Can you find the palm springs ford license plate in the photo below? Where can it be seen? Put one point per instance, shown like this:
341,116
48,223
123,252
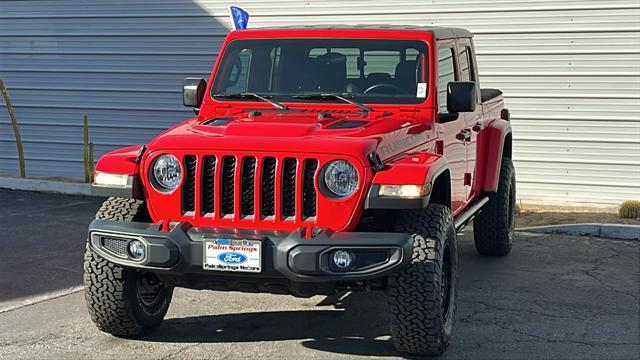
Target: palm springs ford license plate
232,255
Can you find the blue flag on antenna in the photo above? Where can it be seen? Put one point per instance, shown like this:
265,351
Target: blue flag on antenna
239,17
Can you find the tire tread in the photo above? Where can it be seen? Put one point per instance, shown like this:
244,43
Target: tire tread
413,293
491,227
106,285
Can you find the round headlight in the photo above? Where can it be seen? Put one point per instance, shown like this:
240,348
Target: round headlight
341,178
167,172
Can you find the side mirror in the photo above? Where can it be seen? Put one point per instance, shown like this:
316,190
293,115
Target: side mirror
462,96
193,90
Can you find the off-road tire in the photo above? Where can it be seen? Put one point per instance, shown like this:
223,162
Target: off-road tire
122,209
422,316
111,291
493,228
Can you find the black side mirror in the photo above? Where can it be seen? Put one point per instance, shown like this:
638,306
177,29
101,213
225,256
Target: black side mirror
462,96
193,90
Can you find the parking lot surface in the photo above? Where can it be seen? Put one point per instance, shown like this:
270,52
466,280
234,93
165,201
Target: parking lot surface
553,297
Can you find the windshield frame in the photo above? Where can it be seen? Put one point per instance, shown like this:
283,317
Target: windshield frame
424,52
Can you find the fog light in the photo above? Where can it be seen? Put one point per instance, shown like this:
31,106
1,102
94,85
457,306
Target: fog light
343,259
136,249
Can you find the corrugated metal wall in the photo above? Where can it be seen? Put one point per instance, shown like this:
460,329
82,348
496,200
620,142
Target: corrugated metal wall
570,70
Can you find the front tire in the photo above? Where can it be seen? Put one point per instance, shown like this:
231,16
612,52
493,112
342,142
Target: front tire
122,301
493,228
422,296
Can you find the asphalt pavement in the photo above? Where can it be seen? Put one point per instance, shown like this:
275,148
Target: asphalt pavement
553,297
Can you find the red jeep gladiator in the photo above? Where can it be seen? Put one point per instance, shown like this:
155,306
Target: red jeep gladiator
320,160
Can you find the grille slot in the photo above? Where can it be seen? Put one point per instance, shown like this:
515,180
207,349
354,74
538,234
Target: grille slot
289,188
226,187
228,173
189,188
268,177
208,184
309,189
115,246
248,185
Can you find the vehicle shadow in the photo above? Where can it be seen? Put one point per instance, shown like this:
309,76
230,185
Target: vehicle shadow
357,325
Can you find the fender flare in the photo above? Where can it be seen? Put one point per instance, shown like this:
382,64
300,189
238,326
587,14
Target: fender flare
415,169
123,161
496,135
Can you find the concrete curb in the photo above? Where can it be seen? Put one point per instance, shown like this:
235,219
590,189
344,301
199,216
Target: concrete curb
611,231
45,185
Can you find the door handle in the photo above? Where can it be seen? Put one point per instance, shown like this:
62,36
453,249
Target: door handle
464,135
478,126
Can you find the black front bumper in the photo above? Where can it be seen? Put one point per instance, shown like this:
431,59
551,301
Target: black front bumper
291,262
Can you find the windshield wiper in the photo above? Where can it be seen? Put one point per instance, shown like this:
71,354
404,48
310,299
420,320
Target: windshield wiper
346,98
245,95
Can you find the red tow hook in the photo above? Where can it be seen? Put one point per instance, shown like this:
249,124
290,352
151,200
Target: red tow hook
164,226
307,232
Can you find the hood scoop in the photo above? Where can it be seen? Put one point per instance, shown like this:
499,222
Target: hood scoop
218,121
348,124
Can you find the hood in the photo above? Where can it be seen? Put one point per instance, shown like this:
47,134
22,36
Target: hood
298,131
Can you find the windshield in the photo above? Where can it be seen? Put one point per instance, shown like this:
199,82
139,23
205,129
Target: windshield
369,70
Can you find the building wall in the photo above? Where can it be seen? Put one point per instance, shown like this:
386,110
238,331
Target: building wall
570,71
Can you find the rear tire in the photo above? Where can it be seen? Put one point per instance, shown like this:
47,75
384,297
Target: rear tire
421,297
493,228
122,301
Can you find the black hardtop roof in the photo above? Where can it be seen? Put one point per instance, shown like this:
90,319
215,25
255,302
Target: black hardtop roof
440,32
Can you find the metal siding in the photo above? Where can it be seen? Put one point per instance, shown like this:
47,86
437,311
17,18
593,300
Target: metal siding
570,71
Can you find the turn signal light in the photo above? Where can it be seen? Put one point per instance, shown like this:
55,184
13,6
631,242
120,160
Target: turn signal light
110,180
404,191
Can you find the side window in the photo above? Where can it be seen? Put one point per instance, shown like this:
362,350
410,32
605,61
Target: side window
446,74
412,54
381,62
466,64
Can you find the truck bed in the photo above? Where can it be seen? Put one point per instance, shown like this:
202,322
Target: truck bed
488,94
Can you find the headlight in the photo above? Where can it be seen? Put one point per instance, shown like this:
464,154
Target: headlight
340,178
167,172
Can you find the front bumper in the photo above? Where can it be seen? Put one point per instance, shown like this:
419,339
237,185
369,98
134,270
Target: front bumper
291,262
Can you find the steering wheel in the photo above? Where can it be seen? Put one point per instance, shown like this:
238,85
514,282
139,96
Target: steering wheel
395,89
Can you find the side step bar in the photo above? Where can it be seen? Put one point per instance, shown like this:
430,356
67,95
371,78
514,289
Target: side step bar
470,213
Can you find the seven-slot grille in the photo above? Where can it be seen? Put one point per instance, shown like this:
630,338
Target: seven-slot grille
250,187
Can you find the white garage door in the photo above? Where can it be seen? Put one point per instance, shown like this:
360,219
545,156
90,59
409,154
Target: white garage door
570,71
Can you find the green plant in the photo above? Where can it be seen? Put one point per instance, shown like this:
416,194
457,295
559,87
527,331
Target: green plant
87,151
630,209
16,130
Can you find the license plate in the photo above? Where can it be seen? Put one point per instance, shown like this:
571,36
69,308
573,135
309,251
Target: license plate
223,254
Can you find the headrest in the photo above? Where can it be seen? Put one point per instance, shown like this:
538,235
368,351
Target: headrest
406,75
406,70
332,58
331,71
379,78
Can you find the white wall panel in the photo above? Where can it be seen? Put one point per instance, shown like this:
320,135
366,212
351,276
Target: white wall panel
570,71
